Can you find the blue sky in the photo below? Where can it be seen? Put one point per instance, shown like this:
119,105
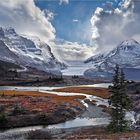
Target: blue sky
86,27
72,20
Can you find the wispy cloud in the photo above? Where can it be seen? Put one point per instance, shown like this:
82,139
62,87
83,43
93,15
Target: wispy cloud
49,15
63,2
73,51
27,18
75,20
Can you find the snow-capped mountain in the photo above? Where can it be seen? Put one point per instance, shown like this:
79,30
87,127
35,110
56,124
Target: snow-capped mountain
96,59
6,54
127,55
26,52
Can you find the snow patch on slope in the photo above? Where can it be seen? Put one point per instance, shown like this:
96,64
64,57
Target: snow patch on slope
28,52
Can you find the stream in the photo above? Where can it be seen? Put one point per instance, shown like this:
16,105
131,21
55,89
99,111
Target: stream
93,115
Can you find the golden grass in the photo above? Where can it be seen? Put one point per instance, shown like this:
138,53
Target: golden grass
100,92
67,98
102,134
39,94
107,136
54,100
24,93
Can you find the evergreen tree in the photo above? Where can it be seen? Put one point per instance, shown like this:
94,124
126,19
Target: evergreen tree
120,102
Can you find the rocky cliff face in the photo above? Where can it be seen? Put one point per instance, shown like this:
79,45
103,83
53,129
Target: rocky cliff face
27,52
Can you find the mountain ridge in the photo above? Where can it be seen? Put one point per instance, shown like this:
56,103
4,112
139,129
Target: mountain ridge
25,52
126,54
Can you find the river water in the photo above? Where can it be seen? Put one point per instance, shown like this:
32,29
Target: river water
93,115
77,122
33,88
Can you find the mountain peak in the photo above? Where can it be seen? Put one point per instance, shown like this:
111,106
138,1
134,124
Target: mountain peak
128,45
130,42
18,49
11,30
1,32
127,55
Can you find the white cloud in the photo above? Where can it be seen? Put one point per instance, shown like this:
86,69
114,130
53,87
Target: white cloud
27,18
75,20
63,2
49,15
94,20
111,27
73,51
